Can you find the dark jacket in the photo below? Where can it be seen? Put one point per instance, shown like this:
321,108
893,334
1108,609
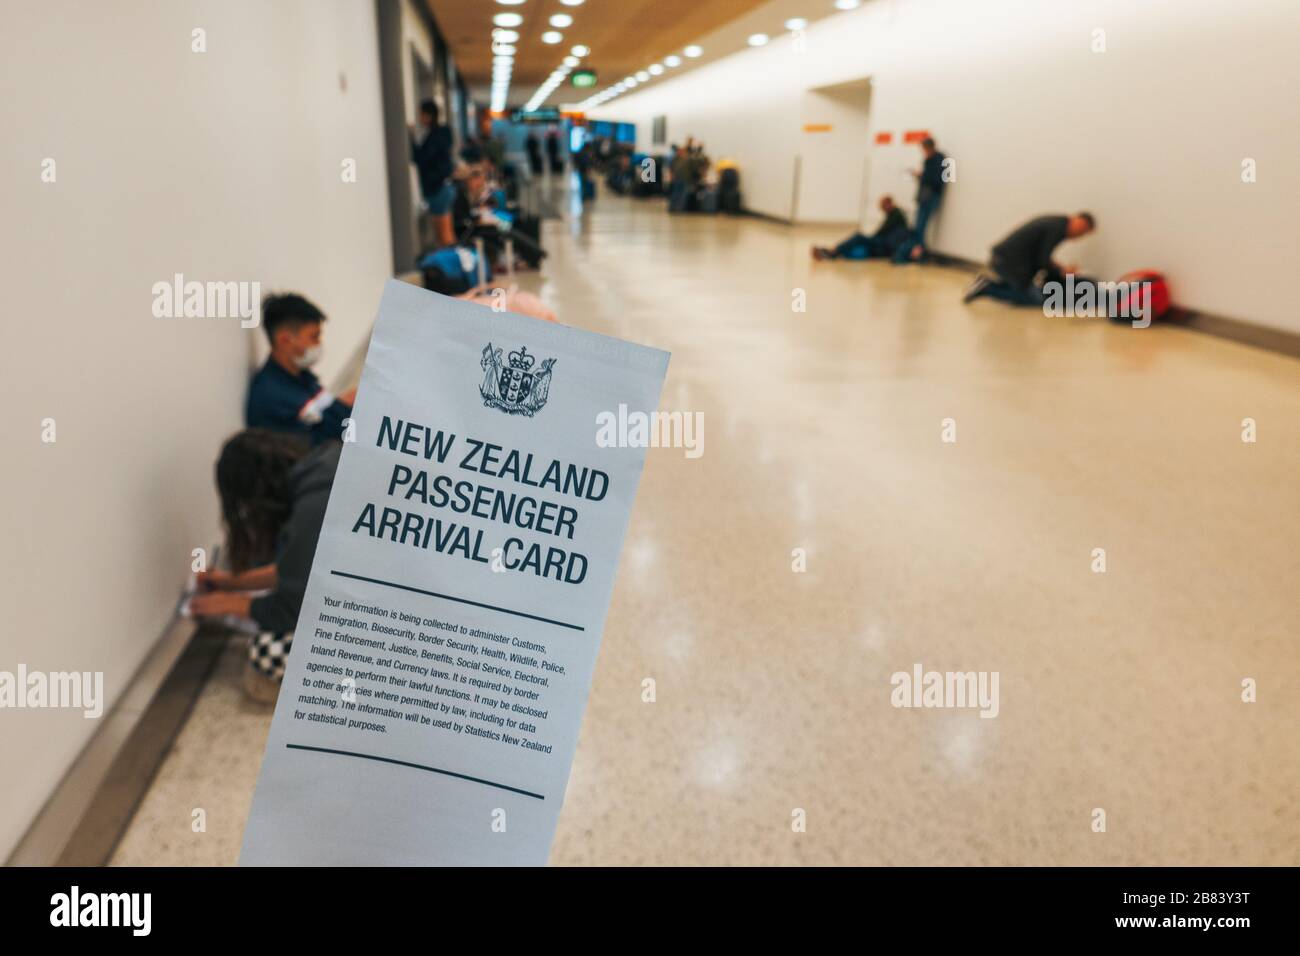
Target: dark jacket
432,158
310,482
1021,255
298,404
894,228
931,182
464,218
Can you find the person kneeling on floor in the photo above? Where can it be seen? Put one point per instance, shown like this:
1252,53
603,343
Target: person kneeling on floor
881,244
1021,264
273,490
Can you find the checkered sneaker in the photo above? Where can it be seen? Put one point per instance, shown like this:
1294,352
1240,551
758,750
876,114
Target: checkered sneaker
270,652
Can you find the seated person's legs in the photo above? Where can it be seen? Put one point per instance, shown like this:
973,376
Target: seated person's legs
856,246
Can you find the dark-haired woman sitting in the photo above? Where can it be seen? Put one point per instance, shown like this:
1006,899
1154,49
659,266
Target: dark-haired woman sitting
273,489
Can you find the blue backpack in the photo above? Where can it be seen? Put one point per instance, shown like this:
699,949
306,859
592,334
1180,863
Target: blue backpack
457,265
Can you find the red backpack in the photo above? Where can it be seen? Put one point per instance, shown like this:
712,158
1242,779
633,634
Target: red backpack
1153,289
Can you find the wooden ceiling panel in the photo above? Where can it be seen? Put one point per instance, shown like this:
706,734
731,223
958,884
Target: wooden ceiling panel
624,36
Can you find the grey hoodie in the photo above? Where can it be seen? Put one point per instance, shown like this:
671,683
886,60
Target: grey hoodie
309,490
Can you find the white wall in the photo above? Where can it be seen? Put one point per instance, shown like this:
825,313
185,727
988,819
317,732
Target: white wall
1149,135
223,165
834,149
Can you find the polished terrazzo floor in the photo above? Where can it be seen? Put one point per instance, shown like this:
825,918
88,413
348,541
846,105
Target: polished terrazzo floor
1118,690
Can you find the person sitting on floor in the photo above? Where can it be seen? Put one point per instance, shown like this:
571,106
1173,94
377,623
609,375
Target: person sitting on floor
478,214
273,491
1021,264
284,395
880,244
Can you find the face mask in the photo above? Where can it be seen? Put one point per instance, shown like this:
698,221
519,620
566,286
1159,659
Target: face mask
310,357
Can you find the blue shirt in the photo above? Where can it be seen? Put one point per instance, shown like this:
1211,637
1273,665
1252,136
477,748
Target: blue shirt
284,402
458,263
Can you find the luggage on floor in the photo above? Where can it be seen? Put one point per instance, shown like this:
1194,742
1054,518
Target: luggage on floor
451,270
729,190
1149,288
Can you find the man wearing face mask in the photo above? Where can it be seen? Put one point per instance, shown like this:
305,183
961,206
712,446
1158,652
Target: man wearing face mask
284,395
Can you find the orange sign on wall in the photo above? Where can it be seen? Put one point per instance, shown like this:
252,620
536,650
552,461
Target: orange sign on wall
816,127
915,135
884,139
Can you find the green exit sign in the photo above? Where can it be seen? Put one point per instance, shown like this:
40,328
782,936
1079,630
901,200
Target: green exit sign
583,77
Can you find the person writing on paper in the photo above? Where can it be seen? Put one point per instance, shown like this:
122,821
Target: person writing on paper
284,395
273,491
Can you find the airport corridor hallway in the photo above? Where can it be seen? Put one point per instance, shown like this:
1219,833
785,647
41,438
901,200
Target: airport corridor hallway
887,480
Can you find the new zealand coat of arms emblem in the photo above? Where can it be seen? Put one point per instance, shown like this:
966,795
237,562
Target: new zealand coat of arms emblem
514,386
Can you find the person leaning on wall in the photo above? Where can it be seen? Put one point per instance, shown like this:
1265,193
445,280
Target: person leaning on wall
431,146
930,183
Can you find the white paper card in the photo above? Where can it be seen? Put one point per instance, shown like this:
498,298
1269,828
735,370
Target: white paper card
445,648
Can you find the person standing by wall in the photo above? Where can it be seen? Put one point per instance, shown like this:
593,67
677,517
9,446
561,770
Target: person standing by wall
431,145
930,184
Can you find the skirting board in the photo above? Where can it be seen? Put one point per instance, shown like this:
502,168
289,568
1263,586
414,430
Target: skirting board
1235,330
83,819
